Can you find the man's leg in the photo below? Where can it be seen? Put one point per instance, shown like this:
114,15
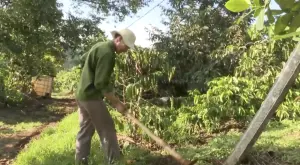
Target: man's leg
84,136
105,127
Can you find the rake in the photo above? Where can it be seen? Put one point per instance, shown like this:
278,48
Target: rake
163,144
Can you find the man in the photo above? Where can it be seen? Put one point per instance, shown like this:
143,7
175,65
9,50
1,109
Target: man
94,85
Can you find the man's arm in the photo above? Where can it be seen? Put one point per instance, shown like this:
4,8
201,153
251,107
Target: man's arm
103,74
82,59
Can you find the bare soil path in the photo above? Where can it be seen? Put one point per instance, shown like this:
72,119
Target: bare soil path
20,125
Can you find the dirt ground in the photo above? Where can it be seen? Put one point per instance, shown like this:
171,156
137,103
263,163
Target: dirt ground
42,113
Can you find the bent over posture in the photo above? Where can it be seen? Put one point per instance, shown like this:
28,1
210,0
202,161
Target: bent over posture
94,85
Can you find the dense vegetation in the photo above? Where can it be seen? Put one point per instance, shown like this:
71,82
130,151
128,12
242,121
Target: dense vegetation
211,67
279,139
208,69
222,69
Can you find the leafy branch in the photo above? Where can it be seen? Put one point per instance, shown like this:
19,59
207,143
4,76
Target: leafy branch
286,20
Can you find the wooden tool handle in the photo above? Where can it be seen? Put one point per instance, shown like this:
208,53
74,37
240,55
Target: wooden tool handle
159,141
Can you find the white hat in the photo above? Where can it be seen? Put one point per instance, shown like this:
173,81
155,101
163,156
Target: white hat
127,36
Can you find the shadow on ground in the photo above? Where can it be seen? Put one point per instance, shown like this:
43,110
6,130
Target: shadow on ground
46,110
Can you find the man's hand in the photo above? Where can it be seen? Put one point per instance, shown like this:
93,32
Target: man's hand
116,103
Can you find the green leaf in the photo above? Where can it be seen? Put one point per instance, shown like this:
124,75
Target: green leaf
295,23
260,20
277,12
257,12
285,4
270,16
277,37
257,3
296,6
296,39
270,31
129,91
282,22
237,5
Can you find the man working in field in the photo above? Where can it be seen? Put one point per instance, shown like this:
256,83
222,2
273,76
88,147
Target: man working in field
94,85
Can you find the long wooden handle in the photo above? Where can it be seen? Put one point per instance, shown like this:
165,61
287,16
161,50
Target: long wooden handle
159,141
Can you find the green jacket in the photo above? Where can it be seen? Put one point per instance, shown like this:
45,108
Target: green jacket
98,64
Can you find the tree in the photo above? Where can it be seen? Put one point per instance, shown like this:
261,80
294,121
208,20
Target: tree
35,32
28,32
118,8
199,32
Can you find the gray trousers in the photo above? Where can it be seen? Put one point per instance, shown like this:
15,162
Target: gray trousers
94,115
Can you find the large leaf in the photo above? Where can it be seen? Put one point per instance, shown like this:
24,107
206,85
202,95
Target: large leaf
260,20
270,16
277,37
282,22
296,6
295,23
257,3
285,4
237,5
257,12
277,12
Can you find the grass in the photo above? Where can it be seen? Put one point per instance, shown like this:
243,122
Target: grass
23,119
18,127
57,146
12,122
54,145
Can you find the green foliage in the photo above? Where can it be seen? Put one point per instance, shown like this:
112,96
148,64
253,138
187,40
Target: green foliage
35,32
235,97
239,97
118,8
3,74
140,69
228,68
229,98
253,63
66,80
282,23
79,34
289,109
196,40
232,66
9,91
238,5
28,43
286,25
285,4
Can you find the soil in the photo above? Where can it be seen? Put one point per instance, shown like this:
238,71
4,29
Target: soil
46,111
